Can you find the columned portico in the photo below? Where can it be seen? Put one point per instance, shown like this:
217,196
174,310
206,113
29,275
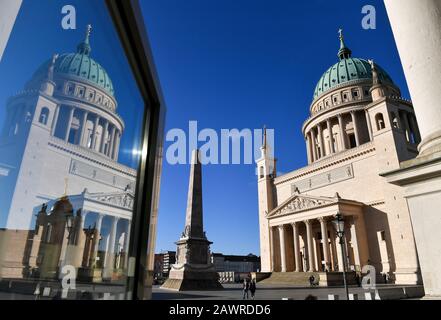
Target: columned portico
312,228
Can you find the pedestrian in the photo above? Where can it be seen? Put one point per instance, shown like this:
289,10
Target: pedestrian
246,287
253,288
312,280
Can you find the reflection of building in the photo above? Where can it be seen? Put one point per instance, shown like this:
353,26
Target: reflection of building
359,127
169,260
158,265
163,263
232,263
62,132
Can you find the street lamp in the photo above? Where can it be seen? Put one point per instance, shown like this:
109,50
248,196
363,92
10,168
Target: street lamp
339,224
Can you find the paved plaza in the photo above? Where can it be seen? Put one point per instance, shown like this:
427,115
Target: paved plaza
264,292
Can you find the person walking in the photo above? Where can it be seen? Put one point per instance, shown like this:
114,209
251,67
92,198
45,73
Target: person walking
246,287
253,288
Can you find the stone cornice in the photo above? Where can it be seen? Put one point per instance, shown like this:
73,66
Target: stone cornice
327,162
91,156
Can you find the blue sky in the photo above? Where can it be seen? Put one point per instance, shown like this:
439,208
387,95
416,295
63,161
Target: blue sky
243,64
224,63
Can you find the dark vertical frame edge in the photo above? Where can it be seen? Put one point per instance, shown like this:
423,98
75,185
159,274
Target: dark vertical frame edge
129,23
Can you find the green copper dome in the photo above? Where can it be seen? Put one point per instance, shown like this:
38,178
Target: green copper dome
347,70
81,65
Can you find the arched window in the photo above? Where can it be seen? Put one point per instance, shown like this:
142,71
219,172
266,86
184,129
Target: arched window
394,120
44,116
379,120
261,173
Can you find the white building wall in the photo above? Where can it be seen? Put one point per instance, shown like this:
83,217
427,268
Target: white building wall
8,14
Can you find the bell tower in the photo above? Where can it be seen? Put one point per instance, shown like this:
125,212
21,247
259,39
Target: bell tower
266,172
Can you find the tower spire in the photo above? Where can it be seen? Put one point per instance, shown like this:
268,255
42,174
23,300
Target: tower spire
264,138
84,47
344,52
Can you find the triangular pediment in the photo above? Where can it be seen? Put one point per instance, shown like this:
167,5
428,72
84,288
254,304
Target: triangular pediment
122,199
298,202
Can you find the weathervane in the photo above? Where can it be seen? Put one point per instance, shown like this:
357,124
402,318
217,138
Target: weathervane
89,30
340,33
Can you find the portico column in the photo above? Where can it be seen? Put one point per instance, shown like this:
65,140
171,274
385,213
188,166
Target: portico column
118,141
338,251
320,140
95,129
354,122
354,242
282,248
295,232
369,124
69,123
115,144
55,120
98,234
333,251
83,128
311,258
103,136
416,26
313,146
112,139
331,137
325,242
342,132
308,147
126,244
272,248
80,240
111,251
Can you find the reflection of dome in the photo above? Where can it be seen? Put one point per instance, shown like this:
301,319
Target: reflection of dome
81,65
62,205
348,70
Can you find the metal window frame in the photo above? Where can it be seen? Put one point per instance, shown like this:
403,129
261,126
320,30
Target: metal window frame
129,23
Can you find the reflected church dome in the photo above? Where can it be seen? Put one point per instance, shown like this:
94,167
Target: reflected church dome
81,65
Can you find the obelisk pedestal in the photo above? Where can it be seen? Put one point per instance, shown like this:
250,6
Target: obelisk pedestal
193,269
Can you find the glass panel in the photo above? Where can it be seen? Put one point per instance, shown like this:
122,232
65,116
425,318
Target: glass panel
71,116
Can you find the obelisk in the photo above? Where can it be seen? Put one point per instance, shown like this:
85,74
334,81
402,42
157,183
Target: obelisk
193,269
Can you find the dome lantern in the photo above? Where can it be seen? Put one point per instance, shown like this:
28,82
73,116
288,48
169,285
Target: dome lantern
344,52
84,47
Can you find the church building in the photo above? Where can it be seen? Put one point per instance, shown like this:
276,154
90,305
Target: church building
65,198
359,127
